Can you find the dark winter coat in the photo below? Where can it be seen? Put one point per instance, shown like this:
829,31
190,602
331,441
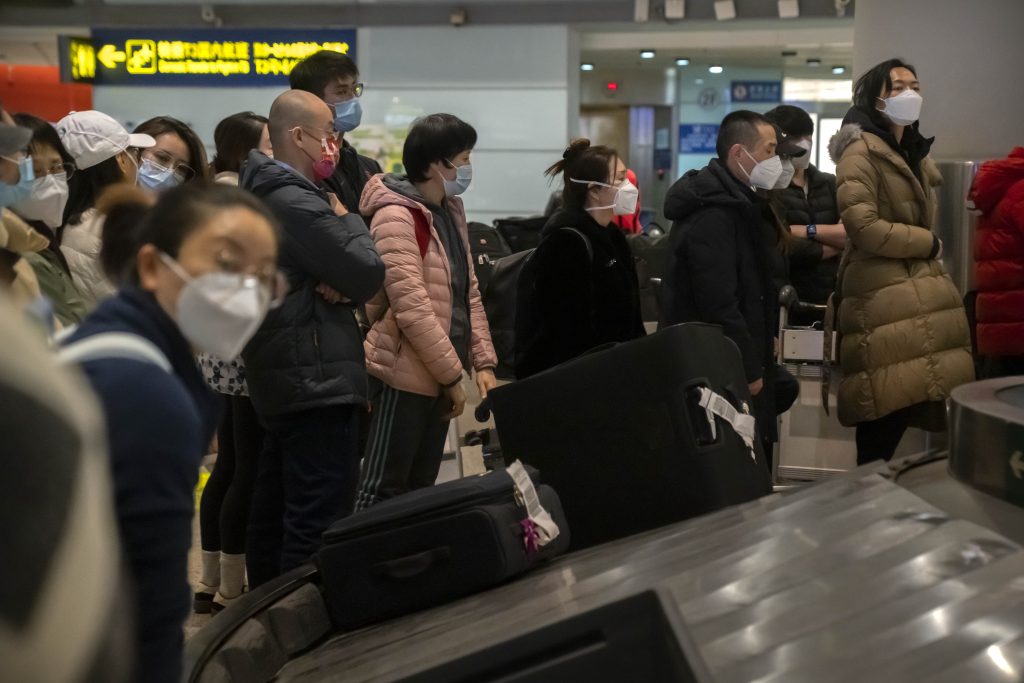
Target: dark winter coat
998,193
720,270
309,353
578,302
158,427
812,275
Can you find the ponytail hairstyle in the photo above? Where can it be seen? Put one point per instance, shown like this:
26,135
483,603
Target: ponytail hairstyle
233,138
582,161
134,220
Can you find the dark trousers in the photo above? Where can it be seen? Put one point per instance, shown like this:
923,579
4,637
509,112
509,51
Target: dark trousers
307,480
879,439
407,433
227,497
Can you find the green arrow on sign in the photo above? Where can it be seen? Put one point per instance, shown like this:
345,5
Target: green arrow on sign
110,56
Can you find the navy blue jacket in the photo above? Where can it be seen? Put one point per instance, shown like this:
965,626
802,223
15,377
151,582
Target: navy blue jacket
158,427
309,353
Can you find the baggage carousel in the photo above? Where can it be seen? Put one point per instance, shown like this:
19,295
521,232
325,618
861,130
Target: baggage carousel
909,571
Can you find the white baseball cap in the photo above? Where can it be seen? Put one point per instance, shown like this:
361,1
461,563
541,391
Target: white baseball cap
91,137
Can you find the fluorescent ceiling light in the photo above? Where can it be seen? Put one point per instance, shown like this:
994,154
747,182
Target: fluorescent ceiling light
647,54
837,70
586,66
682,61
716,69
813,61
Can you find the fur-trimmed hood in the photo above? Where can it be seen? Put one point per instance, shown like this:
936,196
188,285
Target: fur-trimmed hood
842,139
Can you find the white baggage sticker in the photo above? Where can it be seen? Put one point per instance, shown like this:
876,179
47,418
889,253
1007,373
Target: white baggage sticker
744,423
540,518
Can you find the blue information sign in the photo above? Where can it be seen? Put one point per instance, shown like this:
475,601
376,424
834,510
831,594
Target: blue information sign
756,91
209,57
698,138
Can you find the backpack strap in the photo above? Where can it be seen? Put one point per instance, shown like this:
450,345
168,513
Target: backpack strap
422,230
110,345
586,242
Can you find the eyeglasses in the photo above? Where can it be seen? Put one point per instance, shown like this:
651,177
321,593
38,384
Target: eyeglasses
332,135
66,167
182,171
272,279
354,90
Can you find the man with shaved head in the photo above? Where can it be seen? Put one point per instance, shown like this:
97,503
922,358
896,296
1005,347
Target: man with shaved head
305,366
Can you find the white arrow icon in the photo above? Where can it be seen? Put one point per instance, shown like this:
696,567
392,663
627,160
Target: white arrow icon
1017,464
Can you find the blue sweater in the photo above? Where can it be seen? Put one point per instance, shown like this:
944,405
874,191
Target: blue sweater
158,427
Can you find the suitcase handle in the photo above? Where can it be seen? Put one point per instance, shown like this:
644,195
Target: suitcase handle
412,565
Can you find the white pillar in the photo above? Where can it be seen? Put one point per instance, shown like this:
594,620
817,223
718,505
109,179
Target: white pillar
969,56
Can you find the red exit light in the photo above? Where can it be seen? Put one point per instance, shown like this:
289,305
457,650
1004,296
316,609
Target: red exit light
612,86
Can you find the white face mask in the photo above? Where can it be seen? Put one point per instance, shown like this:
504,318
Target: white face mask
788,171
804,160
626,196
903,109
463,177
47,201
765,173
219,312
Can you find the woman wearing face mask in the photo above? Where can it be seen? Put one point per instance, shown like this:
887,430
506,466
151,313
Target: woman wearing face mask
104,154
904,342
584,284
43,212
204,277
227,496
429,324
177,157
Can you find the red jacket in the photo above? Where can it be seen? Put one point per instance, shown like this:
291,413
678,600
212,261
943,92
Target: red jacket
998,193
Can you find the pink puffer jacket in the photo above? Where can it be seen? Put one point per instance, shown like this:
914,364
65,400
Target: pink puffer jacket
408,346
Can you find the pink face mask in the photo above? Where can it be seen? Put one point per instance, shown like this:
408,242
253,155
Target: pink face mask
324,167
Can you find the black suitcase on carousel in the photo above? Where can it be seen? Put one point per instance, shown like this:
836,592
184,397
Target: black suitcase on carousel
621,435
435,544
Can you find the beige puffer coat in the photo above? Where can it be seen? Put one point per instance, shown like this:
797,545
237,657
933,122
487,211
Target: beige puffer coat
903,333
408,346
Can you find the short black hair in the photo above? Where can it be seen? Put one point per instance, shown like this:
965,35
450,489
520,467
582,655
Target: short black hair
314,73
877,80
159,125
739,127
234,137
43,133
582,161
794,122
433,138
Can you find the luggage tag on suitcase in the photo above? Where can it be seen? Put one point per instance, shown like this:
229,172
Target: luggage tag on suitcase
744,423
539,528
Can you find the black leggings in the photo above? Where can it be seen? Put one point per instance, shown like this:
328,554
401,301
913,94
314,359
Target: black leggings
879,439
224,508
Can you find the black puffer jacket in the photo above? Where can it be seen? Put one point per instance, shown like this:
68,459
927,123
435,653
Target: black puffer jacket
309,353
575,304
720,270
813,276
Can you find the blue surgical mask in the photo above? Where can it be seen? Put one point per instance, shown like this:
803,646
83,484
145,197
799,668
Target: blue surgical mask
156,177
347,115
463,177
22,190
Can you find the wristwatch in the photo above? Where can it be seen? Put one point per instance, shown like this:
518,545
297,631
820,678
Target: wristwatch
812,231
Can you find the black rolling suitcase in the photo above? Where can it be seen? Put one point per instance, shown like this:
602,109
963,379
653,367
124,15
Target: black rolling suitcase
486,246
521,233
436,544
622,436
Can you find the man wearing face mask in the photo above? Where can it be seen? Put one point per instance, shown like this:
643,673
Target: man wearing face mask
721,253
305,367
807,203
334,78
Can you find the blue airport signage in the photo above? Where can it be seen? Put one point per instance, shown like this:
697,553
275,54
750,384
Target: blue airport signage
203,57
697,138
756,91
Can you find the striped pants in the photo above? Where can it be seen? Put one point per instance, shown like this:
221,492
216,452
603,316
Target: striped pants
405,445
